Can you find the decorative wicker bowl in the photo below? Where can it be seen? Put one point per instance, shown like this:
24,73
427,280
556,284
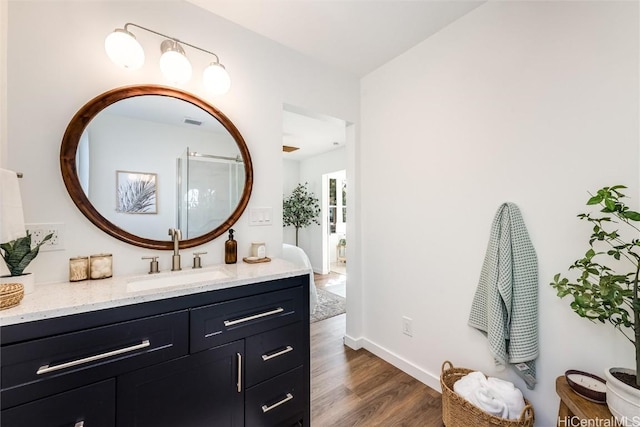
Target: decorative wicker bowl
10,295
459,412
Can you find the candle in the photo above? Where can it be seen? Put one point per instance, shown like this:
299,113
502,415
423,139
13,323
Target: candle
258,250
101,266
78,268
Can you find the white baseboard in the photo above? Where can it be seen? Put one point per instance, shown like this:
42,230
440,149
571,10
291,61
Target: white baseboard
415,371
353,343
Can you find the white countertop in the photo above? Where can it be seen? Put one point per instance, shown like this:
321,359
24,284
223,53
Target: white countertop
66,298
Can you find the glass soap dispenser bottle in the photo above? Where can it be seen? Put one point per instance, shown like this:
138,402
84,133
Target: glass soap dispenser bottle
230,249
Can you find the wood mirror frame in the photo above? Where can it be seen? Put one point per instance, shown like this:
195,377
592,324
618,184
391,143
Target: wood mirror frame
69,147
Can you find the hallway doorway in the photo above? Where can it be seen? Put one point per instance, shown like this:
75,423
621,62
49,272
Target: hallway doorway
335,210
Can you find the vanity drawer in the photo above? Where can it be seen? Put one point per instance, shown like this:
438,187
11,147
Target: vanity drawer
91,406
216,324
277,401
273,353
42,367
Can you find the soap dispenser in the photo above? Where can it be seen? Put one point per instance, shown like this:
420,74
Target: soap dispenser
230,249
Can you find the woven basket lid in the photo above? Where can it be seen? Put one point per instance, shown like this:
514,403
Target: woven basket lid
10,288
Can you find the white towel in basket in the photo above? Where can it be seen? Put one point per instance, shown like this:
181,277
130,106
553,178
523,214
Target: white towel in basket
495,396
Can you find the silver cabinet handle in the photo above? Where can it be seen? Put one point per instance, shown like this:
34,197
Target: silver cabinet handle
266,357
266,408
255,316
79,424
239,383
46,368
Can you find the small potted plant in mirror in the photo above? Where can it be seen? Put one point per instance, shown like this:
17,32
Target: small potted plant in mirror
17,255
606,289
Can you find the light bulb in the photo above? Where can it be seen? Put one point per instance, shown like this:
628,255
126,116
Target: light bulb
173,63
124,50
216,79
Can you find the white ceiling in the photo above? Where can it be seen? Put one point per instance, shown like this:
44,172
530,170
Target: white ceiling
356,36
313,133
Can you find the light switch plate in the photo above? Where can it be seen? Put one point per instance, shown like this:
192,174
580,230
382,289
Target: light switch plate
260,216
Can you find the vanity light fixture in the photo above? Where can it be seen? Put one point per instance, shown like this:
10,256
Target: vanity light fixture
174,63
124,50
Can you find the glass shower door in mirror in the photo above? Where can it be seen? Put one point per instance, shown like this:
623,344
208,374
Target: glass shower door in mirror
209,188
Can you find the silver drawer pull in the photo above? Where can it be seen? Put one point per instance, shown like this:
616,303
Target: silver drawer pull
266,408
79,424
239,381
255,316
46,368
266,357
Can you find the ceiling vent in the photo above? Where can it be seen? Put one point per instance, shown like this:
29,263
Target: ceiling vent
192,122
288,148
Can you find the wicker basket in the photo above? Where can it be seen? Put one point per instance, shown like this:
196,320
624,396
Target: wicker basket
10,295
459,412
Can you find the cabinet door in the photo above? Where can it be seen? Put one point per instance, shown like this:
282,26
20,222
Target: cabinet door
203,389
88,406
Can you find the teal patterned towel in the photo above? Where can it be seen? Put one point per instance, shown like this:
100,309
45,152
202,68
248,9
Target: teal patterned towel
505,306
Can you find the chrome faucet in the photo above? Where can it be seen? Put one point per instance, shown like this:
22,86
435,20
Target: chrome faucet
176,235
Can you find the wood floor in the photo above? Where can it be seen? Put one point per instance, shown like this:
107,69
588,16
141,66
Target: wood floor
333,282
356,388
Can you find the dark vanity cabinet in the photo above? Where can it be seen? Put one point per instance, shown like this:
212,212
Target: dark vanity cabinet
230,357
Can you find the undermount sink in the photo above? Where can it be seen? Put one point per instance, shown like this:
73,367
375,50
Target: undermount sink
165,280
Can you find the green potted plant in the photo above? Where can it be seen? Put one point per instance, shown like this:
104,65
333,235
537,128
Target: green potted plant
606,288
17,254
300,209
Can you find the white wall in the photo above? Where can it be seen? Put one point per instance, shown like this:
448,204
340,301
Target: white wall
47,86
290,179
311,171
530,102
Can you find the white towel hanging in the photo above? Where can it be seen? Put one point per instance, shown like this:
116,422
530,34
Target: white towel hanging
11,215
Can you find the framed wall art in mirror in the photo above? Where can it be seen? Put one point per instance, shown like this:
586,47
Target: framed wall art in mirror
201,178
136,192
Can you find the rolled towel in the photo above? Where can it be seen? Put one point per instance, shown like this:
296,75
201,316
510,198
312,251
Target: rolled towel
509,394
468,384
493,395
485,399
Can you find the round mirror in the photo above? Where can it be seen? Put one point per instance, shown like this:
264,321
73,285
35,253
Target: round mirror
139,160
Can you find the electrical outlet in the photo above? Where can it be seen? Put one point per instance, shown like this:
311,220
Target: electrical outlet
407,326
40,231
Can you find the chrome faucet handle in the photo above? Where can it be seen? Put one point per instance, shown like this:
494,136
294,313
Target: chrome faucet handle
196,259
153,265
175,234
